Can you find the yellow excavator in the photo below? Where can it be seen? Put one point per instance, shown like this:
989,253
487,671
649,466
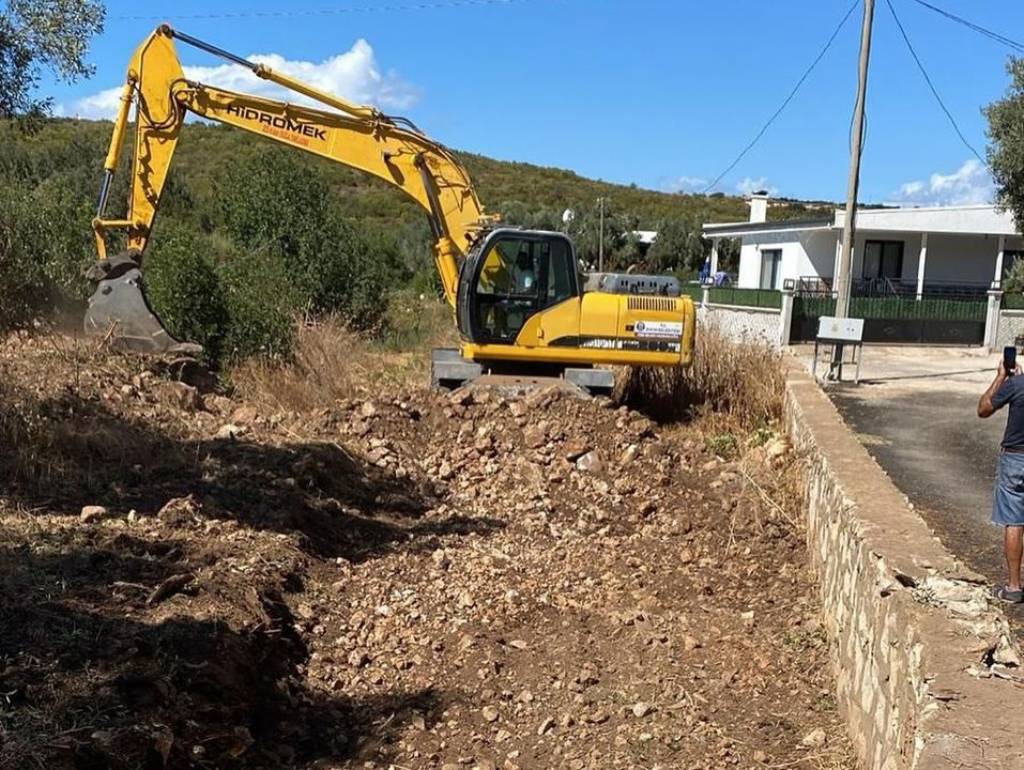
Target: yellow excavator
519,298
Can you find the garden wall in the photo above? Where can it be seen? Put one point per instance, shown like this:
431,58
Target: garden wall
742,324
1011,326
926,674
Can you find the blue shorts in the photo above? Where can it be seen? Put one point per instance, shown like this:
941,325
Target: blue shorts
1008,497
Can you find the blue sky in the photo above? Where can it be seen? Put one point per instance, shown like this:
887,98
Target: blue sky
658,92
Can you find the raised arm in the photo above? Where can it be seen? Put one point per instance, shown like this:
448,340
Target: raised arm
985,406
361,137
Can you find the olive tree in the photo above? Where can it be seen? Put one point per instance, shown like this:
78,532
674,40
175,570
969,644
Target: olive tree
1006,149
35,34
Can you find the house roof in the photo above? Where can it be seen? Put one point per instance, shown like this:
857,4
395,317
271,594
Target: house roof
965,220
646,236
736,229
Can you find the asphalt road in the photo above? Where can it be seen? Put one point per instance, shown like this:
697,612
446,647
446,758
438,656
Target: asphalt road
915,411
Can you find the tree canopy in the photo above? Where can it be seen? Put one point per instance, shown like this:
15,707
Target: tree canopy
1006,151
43,33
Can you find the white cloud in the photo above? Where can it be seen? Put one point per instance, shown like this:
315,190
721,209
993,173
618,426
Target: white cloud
749,185
971,183
99,105
353,75
685,184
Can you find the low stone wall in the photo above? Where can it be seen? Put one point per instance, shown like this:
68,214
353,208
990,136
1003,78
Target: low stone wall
927,676
742,324
1011,326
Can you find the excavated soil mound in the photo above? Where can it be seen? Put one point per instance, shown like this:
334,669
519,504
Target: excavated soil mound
418,581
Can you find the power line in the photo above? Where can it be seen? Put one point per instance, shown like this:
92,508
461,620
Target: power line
1002,39
428,6
788,99
931,85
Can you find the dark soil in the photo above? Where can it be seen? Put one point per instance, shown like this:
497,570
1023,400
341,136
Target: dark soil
417,581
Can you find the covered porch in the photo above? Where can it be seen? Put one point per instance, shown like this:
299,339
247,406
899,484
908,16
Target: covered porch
947,253
920,264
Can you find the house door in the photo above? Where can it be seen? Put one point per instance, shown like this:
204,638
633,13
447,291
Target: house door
883,261
771,262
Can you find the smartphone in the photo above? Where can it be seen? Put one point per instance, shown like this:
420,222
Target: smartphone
1010,360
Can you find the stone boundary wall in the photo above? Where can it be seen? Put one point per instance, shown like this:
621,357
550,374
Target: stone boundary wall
1011,326
927,676
742,324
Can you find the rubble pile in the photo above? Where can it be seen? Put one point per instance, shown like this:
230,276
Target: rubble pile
420,580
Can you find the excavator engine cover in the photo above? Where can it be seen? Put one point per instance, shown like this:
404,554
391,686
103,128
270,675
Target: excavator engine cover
119,312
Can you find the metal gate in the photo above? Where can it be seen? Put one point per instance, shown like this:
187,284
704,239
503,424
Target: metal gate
929,320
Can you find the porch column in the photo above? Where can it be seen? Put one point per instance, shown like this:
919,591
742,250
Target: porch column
714,256
997,279
920,265
786,314
995,302
835,262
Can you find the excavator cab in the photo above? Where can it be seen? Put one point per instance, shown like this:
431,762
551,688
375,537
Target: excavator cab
510,277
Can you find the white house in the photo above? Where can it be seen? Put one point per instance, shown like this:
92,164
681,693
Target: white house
902,251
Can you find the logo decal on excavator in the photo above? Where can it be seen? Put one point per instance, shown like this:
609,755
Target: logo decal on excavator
277,121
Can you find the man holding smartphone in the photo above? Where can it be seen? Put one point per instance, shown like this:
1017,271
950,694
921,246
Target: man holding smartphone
1008,496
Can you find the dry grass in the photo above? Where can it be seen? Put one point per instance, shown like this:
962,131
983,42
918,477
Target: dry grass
730,388
55,424
331,362
729,385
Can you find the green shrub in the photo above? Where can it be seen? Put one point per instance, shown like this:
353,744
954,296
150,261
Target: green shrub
1013,283
23,286
184,288
724,445
345,274
235,305
44,249
261,302
69,248
272,201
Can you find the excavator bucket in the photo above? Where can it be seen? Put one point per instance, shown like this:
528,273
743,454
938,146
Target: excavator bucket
120,314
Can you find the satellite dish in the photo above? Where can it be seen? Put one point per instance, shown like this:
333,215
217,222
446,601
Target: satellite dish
567,216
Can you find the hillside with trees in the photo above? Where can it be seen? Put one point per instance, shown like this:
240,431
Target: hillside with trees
251,233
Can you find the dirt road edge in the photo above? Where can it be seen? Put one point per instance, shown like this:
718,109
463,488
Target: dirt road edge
926,674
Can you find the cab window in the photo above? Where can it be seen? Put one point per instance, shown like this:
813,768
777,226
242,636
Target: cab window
512,286
560,284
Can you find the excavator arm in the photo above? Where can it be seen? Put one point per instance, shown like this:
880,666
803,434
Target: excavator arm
357,136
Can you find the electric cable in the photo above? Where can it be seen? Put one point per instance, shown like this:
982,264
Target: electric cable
1002,39
931,85
429,6
787,100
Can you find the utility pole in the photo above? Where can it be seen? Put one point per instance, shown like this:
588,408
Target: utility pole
600,239
843,282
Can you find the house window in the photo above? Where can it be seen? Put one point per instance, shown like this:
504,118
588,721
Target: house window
883,259
771,261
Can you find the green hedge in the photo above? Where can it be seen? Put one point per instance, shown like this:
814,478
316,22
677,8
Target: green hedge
746,297
1013,301
693,291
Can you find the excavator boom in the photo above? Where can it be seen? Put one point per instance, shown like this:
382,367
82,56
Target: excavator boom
361,137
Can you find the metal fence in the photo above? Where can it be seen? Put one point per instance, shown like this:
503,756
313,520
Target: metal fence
893,287
898,319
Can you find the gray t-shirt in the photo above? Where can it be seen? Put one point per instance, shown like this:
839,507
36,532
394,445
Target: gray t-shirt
1012,393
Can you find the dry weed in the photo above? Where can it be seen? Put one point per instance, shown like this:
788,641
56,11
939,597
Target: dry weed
729,386
331,362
